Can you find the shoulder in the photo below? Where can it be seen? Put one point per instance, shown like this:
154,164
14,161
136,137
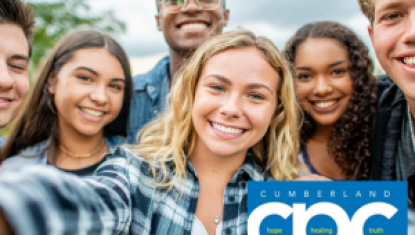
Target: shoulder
157,73
115,141
33,155
389,92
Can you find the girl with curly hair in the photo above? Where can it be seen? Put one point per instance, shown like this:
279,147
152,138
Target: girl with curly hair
337,92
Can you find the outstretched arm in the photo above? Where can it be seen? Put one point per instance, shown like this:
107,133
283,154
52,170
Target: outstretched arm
44,200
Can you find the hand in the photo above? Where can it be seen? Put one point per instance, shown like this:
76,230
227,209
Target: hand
4,226
313,177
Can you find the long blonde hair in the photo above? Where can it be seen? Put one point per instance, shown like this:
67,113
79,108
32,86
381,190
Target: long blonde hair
166,140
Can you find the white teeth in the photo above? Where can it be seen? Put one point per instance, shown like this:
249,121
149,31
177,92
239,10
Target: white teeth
227,130
2,100
409,60
193,26
325,104
91,112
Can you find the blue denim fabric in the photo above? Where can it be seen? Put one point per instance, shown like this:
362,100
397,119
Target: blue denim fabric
2,141
149,97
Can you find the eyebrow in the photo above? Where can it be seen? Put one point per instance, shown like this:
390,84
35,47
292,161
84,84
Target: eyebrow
20,57
97,74
390,5
336,63
87,69
329,66
250,86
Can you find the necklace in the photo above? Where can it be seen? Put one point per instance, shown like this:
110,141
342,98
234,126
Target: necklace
87,155
216,220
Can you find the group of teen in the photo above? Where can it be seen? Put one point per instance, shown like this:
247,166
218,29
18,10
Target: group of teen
170,151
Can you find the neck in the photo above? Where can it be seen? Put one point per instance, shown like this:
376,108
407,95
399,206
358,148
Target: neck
215,167
176,61
77,143
322,133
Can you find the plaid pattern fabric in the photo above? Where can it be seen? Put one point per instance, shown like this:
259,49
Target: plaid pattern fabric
118,199
37,154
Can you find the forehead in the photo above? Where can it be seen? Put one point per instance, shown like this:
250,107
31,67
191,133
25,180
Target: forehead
385,4
98,59
241,66
13,41
324,51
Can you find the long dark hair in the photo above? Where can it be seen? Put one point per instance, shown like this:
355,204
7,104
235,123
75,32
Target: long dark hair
38,120
350,143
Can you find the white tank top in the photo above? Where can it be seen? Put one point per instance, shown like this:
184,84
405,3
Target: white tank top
199,229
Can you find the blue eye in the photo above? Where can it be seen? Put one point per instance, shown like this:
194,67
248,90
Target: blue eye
391,16
256,96
217,88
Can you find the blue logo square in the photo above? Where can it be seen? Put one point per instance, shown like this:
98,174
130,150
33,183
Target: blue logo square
325,208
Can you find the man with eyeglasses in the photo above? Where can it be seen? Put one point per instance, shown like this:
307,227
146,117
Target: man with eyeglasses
185,24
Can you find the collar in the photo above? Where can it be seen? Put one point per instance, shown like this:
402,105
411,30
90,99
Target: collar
249,170
153,77
40,149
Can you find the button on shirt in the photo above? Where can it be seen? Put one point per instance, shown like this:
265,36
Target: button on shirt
118,199
149,97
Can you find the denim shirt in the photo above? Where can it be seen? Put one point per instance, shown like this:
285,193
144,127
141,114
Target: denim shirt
149,98
37,154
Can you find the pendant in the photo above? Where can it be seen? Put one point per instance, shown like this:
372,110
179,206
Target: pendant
216,219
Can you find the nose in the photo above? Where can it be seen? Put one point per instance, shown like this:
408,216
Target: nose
6,80
322,86
409,30
99,95
231,108
192,7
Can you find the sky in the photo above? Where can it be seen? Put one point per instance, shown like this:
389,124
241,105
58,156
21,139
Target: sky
276,19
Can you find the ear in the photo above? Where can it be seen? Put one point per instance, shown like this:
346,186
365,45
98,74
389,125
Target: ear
51,82
226,16
158,22
370,31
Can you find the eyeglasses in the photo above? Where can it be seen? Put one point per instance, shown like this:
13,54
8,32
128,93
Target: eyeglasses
411,189
175,6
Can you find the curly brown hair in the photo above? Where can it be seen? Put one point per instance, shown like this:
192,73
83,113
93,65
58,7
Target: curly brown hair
350,143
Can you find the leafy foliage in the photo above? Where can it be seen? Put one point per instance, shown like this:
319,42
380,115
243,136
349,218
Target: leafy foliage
56,19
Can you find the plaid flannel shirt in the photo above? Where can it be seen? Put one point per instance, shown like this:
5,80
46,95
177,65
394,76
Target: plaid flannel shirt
118,199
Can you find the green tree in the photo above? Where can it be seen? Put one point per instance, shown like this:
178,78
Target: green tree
60,17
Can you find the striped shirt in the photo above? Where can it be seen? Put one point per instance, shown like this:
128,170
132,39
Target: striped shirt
118,199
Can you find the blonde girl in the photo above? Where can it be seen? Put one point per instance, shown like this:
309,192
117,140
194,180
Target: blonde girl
233,117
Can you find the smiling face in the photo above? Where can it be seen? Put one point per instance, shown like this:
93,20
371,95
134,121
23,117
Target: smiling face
324,85
393,37
235,101
14,63
189,28
88,91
